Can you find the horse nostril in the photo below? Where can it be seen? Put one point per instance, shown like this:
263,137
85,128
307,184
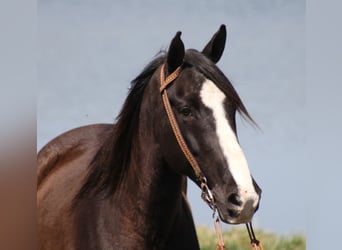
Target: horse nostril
235,199
233,213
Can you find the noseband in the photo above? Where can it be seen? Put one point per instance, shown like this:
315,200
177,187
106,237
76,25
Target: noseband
200,178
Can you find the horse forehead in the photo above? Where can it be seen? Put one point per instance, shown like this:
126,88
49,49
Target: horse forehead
191,80
212,95
215,99
195,84
187,86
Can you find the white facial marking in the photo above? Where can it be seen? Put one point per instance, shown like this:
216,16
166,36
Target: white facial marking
213,98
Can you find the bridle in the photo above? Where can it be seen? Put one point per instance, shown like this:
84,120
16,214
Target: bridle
200,178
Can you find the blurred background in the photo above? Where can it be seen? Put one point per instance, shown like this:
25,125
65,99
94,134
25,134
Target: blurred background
89,51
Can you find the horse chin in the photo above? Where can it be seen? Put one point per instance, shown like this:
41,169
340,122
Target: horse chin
234,217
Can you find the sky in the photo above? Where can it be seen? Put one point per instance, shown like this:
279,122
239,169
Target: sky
89,52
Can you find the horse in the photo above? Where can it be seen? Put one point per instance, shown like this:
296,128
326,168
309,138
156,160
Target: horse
123,185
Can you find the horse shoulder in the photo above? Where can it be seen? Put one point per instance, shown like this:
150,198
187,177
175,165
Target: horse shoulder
62,166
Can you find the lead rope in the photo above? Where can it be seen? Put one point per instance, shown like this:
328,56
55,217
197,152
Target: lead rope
218,230
206,193
256,244
209,199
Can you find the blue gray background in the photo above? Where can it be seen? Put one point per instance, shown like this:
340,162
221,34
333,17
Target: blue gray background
89,51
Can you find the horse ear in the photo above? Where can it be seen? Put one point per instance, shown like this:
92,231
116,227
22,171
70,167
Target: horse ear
175,54
214,49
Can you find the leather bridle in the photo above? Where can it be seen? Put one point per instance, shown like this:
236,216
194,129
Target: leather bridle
200,178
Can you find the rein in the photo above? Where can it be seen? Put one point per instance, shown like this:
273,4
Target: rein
200,178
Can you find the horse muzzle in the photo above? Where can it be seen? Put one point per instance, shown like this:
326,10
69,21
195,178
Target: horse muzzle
238,207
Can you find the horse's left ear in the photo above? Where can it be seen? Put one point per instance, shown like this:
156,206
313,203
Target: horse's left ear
176,52
214,49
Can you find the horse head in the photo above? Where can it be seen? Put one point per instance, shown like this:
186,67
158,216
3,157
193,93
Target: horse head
204,104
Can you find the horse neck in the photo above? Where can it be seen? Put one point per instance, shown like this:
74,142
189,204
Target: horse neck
152,190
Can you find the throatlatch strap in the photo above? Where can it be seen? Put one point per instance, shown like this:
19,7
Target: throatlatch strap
164,83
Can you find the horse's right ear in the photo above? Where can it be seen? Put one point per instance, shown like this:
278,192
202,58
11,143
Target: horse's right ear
176,52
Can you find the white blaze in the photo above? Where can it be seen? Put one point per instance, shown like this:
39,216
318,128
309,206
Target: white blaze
213,98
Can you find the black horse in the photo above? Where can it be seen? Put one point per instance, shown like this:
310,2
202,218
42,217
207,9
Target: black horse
123,186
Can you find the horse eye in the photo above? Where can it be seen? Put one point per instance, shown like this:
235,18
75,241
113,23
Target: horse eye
186,111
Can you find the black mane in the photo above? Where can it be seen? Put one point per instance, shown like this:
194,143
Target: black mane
112,160
104,177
